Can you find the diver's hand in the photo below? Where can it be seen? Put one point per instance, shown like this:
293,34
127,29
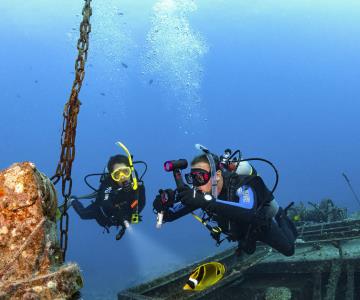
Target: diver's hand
193,197
164,200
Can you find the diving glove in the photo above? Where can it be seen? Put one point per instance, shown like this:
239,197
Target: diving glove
193,197
164,200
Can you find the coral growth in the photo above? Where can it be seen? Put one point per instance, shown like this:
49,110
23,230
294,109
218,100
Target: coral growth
30,263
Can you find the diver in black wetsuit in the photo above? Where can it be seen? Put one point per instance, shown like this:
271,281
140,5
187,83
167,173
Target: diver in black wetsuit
244,208
116,201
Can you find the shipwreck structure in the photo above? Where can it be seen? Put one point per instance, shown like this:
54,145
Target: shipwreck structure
325,266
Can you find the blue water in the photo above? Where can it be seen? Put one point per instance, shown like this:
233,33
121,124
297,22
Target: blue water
277,79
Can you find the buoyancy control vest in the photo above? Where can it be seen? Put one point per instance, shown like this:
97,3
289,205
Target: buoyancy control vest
237,228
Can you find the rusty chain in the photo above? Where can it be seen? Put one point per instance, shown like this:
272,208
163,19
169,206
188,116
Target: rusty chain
71,110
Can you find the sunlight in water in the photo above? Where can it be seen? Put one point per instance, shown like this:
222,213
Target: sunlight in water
152,258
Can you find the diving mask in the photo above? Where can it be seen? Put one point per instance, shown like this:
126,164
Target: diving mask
121,174
211,160
198,177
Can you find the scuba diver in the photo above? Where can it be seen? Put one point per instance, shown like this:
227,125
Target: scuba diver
234,197
120,197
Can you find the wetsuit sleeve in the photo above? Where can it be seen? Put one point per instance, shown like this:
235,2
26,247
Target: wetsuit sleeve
244,202
177,211
172,211
242,209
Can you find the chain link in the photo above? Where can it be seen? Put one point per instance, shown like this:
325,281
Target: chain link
71,111
64,232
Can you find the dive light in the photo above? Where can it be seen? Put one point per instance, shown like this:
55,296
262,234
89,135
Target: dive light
160,215
159,220
126,224
174,166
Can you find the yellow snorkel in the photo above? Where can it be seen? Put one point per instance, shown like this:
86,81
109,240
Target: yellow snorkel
133,175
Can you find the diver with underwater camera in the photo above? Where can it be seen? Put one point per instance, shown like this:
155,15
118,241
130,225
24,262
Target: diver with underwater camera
120,197
164,205
233,198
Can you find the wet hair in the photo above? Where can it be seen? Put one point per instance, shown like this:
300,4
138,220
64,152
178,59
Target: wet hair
203,158
117,159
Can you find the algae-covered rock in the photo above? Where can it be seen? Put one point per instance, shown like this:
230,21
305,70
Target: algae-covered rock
278,293
30,262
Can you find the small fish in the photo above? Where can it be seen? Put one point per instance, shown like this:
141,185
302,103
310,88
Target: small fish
124,65
151,82
73,28
36,81
18,96
102,94
120,14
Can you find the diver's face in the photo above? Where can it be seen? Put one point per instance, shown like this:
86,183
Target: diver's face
206,188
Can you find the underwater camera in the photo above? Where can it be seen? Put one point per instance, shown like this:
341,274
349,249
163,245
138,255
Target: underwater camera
174,166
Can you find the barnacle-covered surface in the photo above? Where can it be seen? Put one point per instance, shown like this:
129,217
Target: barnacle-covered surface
30,262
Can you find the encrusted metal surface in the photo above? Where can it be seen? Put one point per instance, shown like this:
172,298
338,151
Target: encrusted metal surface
322,258
30,260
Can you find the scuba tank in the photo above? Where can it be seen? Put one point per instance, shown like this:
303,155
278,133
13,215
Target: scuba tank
228,162
234,163
244,168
